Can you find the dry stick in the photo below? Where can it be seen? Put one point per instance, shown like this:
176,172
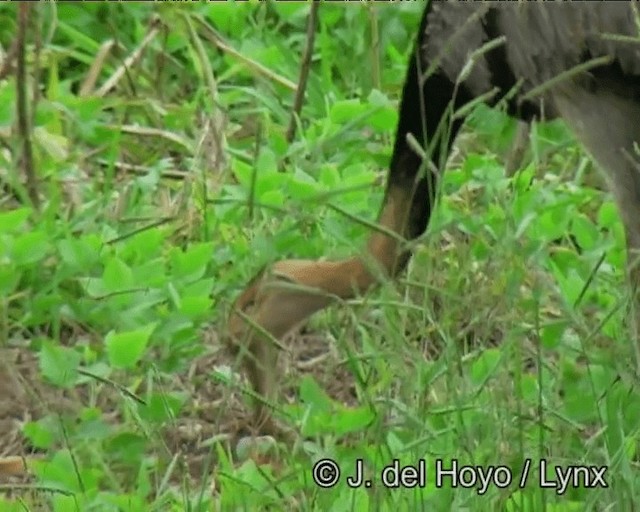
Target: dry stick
312,23
35,488
254,173
96,66
128,62
119,387
154,132
519,146
375,46
254,66
36,26
217,116
142,170
21,107
151,225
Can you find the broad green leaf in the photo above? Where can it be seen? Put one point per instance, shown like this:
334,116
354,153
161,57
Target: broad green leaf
125,349
79,253
484,366
7,103
312,393
162,407
13,220
552,332
39,433
128,446
196,307
329,176
9,279
344,111
347,420
31,247
273,198
586,232
117,276
191,263
59,364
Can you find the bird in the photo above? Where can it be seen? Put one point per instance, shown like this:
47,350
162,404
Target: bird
578,61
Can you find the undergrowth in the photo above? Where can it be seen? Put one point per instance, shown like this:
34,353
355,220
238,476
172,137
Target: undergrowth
167,181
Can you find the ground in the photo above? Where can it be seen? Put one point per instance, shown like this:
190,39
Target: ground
211,411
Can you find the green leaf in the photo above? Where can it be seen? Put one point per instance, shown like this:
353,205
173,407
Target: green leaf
551,333
329,176
242,172
56,146
608,215
345,111
195,307
61,470
303,186
162,407
266,163
127,446
79,253
7,103
585,231
125,349
117,276
39,433
483,367
30,248
313,394
384,114
273,198
292,12
59,364
13,220
192,263
200,287
349,420
143,246
9,279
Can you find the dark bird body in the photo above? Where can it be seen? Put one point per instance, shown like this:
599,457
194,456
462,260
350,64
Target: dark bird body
576,60
543,40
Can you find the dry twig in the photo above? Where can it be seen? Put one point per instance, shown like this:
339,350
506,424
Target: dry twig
24,130
312,23
129,61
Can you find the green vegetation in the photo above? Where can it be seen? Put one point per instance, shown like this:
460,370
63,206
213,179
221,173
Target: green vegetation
162,194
